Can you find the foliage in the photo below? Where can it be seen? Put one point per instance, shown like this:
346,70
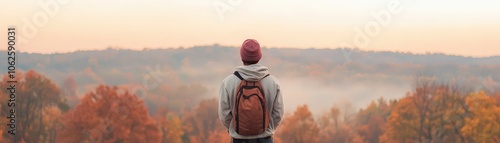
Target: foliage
108,115
431,113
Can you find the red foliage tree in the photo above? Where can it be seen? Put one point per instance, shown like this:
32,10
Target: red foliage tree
109,115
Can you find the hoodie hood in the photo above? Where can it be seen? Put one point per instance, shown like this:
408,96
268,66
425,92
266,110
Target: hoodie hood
254,72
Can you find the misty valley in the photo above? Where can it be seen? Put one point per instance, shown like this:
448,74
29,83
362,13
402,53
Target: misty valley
171,95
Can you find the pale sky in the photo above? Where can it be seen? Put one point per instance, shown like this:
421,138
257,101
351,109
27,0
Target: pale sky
462,27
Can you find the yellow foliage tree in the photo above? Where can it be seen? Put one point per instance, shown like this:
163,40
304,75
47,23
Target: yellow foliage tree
483,124
170,126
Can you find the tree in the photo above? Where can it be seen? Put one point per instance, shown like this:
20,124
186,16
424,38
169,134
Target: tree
3,121
52,121
69,86
170,126
35,94
68,91
109,115
433,113
497,98
202,121
218,137
371,121
299,127
329,125
402,124
483,124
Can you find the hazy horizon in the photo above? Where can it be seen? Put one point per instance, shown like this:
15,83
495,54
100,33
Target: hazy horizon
468,28
265,47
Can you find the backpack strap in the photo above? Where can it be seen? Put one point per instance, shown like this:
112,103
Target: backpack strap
237,74
264,77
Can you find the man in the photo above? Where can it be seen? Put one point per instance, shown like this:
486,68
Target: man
250,101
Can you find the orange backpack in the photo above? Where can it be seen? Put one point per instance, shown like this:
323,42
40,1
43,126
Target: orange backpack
250,115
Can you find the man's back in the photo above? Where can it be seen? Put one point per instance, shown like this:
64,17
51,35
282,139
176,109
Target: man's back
271,92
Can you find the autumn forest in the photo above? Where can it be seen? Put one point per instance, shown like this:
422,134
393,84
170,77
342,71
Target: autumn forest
88,97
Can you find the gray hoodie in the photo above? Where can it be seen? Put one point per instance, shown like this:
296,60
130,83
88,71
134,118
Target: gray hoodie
272,92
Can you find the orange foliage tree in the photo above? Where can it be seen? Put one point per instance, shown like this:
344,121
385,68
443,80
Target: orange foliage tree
299,127
109,115
170,126
402,124
433,113
218,136
371,121
332,128
483,124
203,122
35,95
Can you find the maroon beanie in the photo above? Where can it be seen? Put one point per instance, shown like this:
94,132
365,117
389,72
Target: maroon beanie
250,51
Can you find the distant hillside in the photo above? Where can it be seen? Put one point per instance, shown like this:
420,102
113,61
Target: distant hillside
111,63
346,74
